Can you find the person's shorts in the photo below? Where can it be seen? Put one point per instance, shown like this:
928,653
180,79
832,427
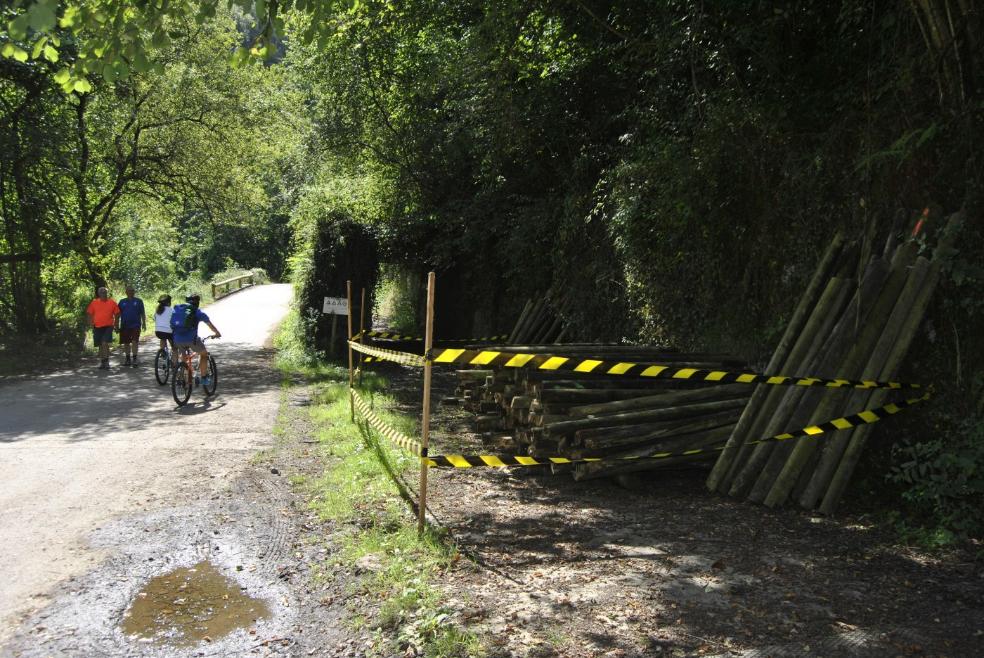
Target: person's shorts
102,335
129,336
197,346
163,335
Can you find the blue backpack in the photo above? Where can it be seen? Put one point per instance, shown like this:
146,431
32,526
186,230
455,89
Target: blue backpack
183,317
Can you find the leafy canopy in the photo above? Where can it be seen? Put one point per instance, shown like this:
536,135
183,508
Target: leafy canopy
113,38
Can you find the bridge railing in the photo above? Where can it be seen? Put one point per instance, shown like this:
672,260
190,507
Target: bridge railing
222,288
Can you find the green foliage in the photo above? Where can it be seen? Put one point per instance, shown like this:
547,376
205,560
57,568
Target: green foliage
338,250
397,297
141,250
676,167
296,352
150,178
943,478
233,270
362,490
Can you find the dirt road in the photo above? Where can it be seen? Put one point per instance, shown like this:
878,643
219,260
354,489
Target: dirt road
82,450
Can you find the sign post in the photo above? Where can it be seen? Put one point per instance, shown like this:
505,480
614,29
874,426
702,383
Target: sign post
348,305
335,306
425,422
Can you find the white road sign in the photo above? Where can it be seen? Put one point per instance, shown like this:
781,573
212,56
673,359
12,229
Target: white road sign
336,305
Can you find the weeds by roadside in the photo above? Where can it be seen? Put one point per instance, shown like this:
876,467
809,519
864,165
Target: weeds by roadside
365,491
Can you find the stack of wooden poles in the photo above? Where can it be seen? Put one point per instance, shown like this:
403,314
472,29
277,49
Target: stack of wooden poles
845,327
541,320
576,415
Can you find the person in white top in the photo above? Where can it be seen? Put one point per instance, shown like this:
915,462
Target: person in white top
162,320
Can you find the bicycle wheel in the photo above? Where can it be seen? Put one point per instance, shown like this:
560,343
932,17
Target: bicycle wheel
213,373
162,366
181,384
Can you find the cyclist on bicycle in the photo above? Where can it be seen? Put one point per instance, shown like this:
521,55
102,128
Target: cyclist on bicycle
184,325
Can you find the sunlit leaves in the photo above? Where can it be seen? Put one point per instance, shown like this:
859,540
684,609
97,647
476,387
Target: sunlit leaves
14,52
43,47
111,38
239,57
70,18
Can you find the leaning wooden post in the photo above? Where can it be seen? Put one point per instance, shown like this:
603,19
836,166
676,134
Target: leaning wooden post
362,331
425,422
348,289
729,462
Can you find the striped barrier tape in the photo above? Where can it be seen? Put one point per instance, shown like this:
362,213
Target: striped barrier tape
865,417
392,335
377,423
406,358
579,364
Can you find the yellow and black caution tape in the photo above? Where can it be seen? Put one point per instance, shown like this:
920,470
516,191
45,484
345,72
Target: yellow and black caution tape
655,370
392,335
865,417
406,358
377,423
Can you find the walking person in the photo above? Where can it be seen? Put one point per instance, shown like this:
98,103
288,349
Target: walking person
102,312
162,321
132,319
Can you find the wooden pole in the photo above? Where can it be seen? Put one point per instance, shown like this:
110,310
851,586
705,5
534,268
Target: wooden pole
779,403
519,322
865,364
348,291
718,479
362,330
777,456
425,422
909,325
853,366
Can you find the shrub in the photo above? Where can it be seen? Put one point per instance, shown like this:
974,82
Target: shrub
341,250
944,477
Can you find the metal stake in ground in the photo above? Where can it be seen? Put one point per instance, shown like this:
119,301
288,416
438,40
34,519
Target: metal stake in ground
425,421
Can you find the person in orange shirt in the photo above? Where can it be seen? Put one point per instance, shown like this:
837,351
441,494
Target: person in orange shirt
102,312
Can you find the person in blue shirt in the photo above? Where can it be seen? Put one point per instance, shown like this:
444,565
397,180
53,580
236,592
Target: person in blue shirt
131,320
184,325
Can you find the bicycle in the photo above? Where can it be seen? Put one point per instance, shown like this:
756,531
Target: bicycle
183,380
162,364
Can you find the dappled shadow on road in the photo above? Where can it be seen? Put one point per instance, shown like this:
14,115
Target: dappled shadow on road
87,404
193,408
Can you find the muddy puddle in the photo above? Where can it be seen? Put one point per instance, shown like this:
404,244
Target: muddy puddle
191,604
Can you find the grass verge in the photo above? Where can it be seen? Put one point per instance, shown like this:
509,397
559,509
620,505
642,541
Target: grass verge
365,491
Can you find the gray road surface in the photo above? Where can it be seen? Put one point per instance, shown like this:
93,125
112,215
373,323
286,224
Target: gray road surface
81,448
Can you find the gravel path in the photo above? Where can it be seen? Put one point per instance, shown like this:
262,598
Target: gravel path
82,449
